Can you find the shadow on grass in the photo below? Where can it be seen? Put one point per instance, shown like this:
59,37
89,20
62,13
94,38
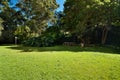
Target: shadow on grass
66,48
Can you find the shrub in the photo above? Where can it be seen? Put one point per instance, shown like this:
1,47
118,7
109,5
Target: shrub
41,41
34,42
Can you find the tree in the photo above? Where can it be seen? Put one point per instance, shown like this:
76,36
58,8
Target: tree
84,15
37,13
34,14
1,26
108,16
79,16
9,24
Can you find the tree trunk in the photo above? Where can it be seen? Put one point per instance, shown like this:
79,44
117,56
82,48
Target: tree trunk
82,43
104,35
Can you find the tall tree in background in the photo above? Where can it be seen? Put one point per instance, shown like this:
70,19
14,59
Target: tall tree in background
27,15
9,25
79,16
108,16
37,13
82,15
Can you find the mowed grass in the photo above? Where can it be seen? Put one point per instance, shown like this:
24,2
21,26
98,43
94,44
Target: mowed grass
59,63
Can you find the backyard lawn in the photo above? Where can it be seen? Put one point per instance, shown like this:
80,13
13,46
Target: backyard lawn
59,63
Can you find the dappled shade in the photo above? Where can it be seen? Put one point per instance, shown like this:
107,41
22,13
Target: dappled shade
65,48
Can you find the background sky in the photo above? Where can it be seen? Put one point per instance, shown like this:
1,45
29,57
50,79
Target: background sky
61,7
60,2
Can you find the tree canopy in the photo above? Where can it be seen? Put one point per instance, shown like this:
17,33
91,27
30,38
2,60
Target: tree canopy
88,14
35,14
38,23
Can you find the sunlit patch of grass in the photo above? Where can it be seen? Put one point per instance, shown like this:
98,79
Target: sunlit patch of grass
58,63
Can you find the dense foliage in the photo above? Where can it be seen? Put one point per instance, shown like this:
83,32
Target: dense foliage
83,16
36,23
26,19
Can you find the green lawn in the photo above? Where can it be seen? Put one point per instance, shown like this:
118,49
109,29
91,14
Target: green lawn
59,63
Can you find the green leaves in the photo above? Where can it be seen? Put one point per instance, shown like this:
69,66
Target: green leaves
79,13
23,32
37,13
